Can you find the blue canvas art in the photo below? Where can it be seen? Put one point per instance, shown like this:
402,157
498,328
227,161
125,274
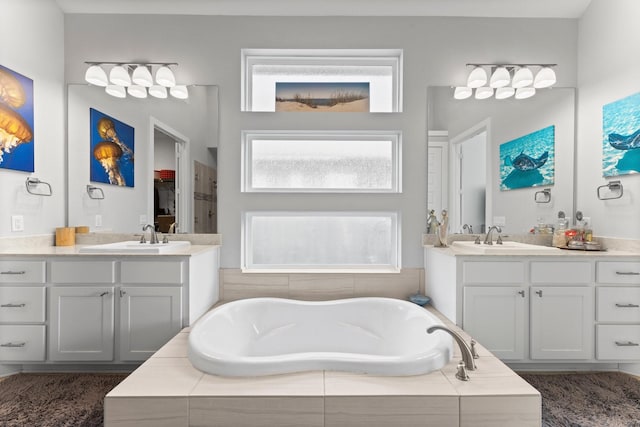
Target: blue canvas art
528,161
112,149
16,121
621,136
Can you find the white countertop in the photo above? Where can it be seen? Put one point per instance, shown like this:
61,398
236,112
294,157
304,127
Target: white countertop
457,251
74,251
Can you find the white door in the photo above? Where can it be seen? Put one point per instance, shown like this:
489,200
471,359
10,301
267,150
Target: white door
81,323
495,317
562,322
149,317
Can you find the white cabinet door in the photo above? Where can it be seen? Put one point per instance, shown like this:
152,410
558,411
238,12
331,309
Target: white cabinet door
81,323
562,322
495,317
149,317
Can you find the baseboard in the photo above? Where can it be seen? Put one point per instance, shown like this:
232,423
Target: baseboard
7,370
630,368
67,368
563,367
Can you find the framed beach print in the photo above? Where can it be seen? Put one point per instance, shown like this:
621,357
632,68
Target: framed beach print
322,97
528,161
621,136
16,121
112,150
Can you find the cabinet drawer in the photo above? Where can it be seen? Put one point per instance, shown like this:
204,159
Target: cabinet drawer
151,272
618,272
82,271
22,304
22,271
22,343
618,342
618,304
563,272
493,272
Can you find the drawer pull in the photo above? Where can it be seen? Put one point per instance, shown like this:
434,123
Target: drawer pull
627,273
627,305
13,305
539,293
13,345
14,273
104,293
521,293
627,344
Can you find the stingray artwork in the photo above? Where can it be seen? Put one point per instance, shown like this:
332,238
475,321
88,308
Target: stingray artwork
528,161
16,121
112,148
621,136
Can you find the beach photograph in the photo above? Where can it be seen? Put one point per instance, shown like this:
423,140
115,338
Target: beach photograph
322,97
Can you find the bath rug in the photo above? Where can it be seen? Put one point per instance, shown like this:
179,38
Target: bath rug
602,399
55,400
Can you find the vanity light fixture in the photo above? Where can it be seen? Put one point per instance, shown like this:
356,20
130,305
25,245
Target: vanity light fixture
136,79
507,80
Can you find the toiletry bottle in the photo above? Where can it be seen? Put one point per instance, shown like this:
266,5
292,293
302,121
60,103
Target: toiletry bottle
559,237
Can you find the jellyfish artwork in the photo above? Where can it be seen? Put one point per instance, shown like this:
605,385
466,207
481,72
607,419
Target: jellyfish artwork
14,130
107,131
108,153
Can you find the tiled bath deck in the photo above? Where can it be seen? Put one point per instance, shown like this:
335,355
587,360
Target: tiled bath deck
168,391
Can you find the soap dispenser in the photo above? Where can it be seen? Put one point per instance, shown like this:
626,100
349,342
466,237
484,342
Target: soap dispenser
559,234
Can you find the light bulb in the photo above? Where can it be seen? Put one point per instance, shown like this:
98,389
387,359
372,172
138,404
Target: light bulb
142,76
484,92
179,91
523,77
546,77
96,76
158,91
120,76
165,77
525,92
116,90
500,77
477,77
137,91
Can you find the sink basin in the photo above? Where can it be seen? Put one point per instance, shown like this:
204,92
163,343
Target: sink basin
506,248
134,247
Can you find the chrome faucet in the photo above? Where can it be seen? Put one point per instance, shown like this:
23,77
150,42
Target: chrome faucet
154,236
468,227
487,239
467,356
172,227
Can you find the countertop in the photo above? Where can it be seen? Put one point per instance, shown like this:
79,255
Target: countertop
456,251
38,251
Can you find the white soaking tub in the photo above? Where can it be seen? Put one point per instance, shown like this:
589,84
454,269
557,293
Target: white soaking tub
264,336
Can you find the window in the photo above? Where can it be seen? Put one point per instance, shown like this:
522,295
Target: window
353,241
381,69
329,162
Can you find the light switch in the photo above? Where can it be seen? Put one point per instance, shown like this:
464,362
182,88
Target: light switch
17,223
98,220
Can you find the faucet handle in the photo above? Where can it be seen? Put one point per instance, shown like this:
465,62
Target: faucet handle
474,352
165,239
461,373
142,239
477,241
499,241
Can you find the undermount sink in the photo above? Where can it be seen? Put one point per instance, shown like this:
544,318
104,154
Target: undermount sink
505,248
134,247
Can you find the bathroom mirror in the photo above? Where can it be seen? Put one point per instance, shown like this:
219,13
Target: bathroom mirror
173,161
468,176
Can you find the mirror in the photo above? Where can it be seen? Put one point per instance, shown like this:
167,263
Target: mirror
174,144
470,177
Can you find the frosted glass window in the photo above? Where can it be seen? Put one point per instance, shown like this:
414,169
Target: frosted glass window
380,68
321,240
321,162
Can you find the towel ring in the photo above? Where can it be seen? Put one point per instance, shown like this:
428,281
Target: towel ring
32,183
92,190
546,196
614,187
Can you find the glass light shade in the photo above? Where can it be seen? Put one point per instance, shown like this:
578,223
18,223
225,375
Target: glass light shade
525,92
500,78
462,92
137,91
142,76
96,76
158,91
179,91
117,91
484,92
546,77
477,77
523,77
165,77
119,76
504,92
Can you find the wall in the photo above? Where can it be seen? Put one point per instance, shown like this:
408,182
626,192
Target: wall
35,49
608,71
122,206
164,154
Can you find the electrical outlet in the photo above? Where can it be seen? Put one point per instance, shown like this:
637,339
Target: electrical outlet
586,220
499,220
143,219
17,223
98,220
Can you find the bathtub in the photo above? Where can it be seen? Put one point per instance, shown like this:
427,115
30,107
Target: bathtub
265,336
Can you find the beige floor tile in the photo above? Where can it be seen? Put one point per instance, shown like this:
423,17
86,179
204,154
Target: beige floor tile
256,411
167,361
315,287
296,384
176,347
159,380
146,412
386,411
347,384
502,411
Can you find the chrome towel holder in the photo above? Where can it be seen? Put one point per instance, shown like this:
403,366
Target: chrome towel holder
615,188
32,183
94,192
545,196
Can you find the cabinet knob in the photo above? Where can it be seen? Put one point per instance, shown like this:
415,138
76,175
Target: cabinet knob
122,293
539,293
521,293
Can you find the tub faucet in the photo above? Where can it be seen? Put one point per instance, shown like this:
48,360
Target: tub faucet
487,239
154,236
467,356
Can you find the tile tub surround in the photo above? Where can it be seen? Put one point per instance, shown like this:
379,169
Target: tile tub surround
168,390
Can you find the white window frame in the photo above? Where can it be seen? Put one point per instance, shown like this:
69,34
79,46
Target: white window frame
395,137
249,266
345,57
